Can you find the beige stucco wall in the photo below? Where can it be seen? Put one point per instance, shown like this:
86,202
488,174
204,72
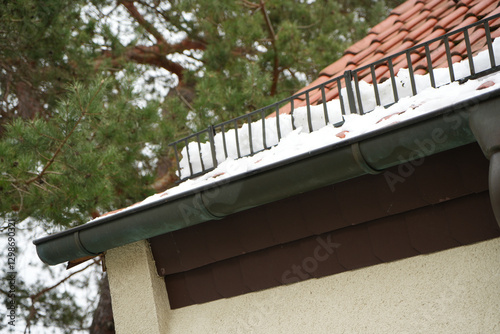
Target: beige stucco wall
453,291
138,295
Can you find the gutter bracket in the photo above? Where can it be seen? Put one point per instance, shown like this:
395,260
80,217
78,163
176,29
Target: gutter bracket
360,160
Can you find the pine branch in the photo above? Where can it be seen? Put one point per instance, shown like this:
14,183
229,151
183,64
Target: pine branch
156,55
276,71
34,298
183,99
147,55
132,9
65,140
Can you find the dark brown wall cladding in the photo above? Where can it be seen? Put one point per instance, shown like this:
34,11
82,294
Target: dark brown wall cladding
439,203
429,229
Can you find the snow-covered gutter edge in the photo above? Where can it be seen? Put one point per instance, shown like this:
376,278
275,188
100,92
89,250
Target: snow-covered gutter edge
372,153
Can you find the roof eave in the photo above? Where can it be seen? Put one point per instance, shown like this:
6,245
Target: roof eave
428,134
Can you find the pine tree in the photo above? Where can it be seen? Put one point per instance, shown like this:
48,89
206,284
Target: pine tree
84,118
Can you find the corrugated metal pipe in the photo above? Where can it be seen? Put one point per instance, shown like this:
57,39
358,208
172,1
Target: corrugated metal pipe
372,153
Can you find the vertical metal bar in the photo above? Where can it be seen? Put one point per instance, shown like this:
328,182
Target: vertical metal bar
358,93
448,57
490,43
308,107
223,131
262,115
250,139
412,74
189,157
350,92
429,65
291,113
325,108
199,152
393,81
375,86
176,152
211,133
278,128
339,89
237,138
469,52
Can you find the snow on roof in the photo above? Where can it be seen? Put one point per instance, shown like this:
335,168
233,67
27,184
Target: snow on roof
300,140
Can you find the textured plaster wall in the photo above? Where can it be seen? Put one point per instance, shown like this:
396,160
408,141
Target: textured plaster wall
138,295
454,291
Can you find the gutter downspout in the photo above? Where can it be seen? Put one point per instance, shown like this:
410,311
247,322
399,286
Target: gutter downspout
443,129
485,124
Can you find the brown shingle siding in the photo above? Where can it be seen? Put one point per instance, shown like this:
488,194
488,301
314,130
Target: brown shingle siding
429,229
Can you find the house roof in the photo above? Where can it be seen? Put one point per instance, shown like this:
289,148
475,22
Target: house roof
411,23
350,156
432,210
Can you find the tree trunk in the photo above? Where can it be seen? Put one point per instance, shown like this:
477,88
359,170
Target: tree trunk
103,322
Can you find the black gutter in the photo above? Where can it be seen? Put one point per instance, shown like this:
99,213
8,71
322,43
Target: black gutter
373,152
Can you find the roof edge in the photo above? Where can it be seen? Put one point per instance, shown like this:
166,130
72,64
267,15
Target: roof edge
371,153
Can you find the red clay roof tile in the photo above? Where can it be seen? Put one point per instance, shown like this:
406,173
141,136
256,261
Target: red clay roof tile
361,44
337,67
452,18
360,57
482,8
466,2
496,11
409,24
486,11
478,47
495,34
469,20
423,31
403,46
404,7
386,24
417,21
393,42
411,12
436,3
388,32
444,63
436,33
371,59
401,61
441,12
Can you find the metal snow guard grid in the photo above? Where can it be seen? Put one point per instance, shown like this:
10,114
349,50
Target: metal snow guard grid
351,84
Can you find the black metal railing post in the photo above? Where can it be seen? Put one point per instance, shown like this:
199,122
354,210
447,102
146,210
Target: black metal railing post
350,92
211,134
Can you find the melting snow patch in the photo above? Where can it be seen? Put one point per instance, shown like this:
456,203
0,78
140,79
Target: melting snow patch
300,140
